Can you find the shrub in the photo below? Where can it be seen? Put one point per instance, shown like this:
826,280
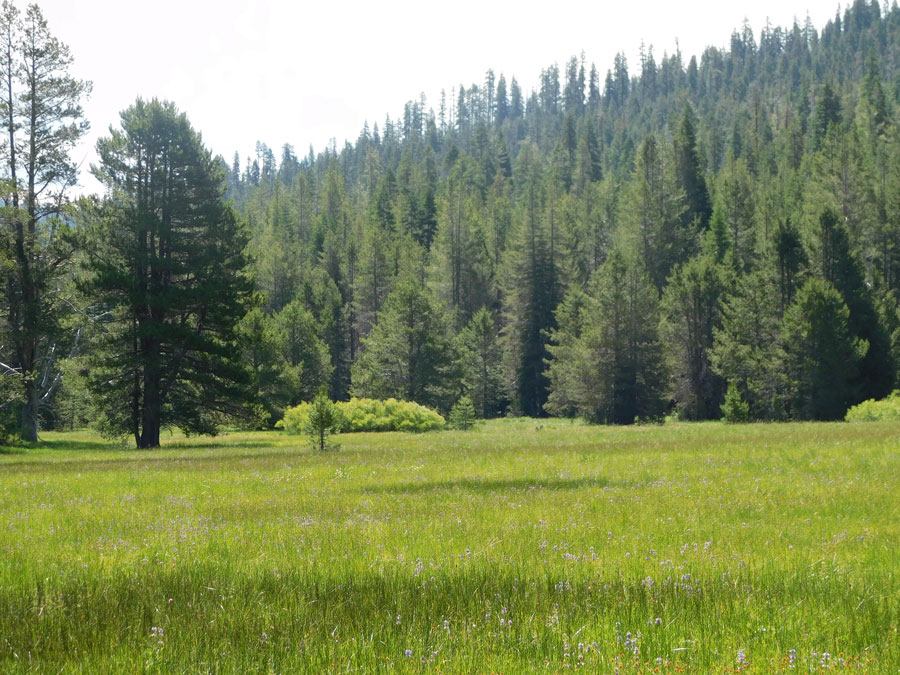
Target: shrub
876,411
366,414
9,427
462,415
735,409
295,419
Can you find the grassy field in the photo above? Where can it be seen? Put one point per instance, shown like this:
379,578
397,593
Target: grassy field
520,546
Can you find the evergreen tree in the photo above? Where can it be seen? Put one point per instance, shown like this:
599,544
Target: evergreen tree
690,173
656,211
502,102
272,380
324,420
516,105
747,350
822,354
42,121
840,267
569,383
617,374
409,355
321,295
828,114
165,255
532,291
304,354
734,211
691,307
483,375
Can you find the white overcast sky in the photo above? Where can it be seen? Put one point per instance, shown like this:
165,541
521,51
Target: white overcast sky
305,72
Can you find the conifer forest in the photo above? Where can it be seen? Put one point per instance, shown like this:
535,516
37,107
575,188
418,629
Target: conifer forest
614,242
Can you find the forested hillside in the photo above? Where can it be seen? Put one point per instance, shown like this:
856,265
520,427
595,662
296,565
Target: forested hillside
608,244
616,243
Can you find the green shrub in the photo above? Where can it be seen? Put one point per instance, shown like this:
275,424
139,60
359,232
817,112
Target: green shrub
9,427
462,415
295,419
735,409
876,411
366,414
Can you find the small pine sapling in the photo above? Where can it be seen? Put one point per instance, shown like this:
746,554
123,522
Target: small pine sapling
462,415
735,409
324,420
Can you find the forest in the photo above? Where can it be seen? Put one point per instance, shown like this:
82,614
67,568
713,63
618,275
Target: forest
681,236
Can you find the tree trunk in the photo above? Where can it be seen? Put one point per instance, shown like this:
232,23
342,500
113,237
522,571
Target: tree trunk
151,414
30,412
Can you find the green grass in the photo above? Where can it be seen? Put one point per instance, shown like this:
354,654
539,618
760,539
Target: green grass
519,546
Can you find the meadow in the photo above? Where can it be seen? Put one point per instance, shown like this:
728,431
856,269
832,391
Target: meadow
519,546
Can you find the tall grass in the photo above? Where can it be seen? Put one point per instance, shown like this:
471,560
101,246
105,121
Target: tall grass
519,546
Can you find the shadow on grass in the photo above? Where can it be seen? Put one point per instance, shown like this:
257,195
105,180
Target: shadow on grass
77,445
56,446
103,446
494,485
123,456
211,445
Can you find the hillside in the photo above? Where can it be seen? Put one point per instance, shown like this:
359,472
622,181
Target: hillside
733,176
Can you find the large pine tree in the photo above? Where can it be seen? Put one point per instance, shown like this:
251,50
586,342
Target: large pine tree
166,256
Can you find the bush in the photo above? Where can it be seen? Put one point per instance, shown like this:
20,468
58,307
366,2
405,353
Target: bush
876,411
462,415
9,426
735,409
366,414
295,419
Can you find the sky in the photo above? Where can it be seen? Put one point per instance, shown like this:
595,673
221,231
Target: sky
305,72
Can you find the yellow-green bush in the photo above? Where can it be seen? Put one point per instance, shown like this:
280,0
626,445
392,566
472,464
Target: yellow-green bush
367,414
876,411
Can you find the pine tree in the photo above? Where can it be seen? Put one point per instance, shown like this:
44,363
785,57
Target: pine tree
656,211
827,115
822,354
42,121
617,374
165,254
840,267
532,291
690,173
734,210
502,102
691,307
409,354
272,380
483,375
747,350
324,420
302,351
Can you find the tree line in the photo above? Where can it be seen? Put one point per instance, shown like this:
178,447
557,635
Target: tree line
616,249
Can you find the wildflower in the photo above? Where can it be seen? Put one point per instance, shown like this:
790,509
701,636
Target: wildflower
741,657
408,653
